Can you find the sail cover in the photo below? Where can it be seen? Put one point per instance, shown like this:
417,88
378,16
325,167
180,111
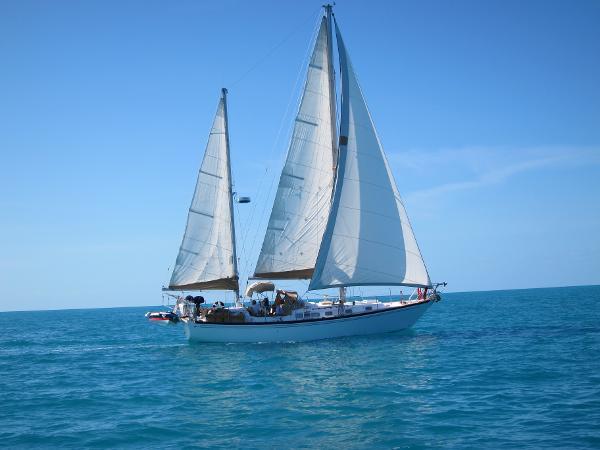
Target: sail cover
368,239
303,196
206,256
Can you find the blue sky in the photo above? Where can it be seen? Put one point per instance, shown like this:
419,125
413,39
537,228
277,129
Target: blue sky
489,113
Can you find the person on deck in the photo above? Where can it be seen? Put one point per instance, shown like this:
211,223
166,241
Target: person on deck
265,304
278,298
278,304
254,309
198,300
217,305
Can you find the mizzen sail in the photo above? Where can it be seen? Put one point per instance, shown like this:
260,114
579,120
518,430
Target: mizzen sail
368,239
206,258
302,202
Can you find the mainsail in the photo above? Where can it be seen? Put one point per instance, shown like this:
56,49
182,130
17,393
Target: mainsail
206,258
368,239
303,196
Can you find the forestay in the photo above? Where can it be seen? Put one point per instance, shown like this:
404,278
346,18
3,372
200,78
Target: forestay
368,239
303,196
206,258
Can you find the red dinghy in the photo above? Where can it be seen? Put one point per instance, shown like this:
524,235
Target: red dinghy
164,317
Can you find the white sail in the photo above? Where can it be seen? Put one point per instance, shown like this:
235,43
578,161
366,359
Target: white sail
303,196
206,258
368,239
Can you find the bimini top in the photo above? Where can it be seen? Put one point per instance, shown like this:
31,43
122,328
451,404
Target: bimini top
259,287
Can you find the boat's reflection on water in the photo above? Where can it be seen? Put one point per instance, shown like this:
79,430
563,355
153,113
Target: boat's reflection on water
328,366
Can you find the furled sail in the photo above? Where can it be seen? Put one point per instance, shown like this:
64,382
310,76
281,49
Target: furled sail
206,258
302,202
368,239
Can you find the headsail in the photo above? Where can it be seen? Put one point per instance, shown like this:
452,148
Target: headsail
368,239
303,196
206,258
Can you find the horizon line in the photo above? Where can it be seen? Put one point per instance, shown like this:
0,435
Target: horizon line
308,298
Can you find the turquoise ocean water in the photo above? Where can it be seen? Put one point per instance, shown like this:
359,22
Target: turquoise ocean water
510,369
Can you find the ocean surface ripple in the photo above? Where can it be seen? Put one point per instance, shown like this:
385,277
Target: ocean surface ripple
518,369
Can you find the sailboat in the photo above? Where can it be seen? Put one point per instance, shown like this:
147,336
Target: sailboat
337,220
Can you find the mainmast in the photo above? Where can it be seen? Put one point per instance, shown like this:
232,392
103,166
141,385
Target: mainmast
332,96
332,106
230,188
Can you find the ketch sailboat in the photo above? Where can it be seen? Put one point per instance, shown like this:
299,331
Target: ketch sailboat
337,220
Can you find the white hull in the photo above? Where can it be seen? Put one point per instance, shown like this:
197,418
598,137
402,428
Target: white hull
383,321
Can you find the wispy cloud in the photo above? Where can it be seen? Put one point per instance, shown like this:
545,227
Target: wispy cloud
480,167
486,179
